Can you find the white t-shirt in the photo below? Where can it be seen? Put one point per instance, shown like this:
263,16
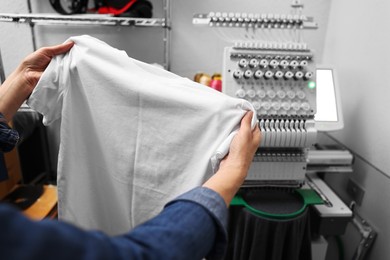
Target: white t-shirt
133,136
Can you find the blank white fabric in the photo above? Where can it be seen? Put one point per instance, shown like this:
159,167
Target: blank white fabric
132,136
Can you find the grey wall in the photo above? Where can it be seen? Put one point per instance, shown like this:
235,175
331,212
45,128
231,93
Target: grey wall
357,44
15,39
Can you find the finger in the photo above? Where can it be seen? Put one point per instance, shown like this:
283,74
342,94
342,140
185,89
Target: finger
247,120
256,128
58,49
257,135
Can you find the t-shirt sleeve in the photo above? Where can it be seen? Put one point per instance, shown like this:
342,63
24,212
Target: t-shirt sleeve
47,96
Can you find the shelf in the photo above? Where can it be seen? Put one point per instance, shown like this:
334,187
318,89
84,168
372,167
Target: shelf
87,19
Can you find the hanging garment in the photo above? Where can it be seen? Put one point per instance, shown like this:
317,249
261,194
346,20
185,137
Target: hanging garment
132,136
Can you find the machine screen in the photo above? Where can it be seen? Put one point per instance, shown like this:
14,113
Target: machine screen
328,116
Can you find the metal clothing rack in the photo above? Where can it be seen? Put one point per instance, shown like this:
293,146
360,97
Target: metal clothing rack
92,20
86,20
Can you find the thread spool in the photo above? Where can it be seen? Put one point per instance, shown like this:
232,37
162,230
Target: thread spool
216,82
202,78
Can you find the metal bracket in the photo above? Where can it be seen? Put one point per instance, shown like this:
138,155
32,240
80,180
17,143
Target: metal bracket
366,231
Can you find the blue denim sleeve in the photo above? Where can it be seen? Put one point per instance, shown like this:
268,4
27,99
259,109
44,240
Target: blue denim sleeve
212,202
192,226
185,229
8,136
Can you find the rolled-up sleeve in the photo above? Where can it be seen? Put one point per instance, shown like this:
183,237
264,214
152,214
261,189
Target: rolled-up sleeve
192,226
8,136
214,204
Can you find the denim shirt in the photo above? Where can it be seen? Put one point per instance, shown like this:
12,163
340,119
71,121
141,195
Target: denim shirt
8,136
192,226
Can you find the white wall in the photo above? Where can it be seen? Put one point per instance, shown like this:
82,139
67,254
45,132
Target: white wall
15,39
357,44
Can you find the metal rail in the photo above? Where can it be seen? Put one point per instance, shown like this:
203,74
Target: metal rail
88,19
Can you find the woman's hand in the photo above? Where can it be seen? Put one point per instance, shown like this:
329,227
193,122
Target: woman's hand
19,85
243,146
234,167
35,64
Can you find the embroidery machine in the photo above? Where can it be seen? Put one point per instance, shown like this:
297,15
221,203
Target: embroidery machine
295,99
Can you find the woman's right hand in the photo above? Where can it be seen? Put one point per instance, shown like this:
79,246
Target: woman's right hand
234,167
243,146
